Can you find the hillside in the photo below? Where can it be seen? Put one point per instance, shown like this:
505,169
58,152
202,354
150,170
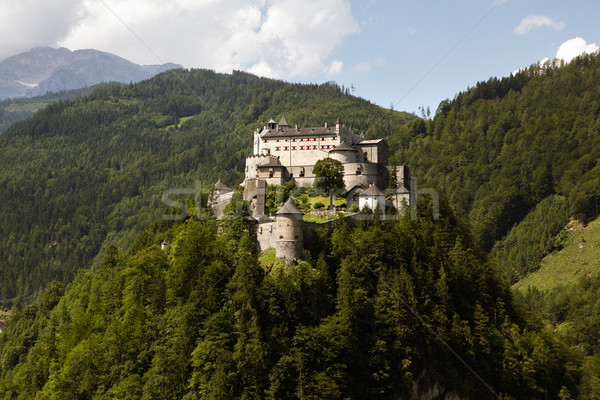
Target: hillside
92,170
19,109
578,258
565,293
501,147
354,319
45,69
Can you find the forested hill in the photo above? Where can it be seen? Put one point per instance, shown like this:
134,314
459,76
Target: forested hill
93,169
370,312
15,110
501,147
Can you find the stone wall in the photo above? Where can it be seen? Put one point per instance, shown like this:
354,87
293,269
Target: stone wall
266,235
219,201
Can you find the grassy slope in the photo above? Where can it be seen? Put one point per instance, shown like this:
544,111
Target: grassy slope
579,256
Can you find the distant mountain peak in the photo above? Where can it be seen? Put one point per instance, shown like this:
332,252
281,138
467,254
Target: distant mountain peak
47,69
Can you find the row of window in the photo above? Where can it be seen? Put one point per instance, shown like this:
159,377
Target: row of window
301,140
313,147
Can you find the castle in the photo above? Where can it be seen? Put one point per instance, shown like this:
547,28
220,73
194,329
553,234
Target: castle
282,152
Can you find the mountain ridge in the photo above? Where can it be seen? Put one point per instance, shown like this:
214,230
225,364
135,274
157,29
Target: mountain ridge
46,69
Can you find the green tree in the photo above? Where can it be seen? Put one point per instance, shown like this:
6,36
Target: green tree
329,175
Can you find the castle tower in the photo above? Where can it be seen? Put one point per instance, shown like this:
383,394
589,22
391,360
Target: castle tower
344,153
283,122
290,240
221,197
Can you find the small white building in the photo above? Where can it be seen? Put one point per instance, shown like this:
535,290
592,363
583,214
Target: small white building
371,198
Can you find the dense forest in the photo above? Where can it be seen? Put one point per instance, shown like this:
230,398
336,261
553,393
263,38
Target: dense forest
369,312
15,110
376,310
500,148
92,170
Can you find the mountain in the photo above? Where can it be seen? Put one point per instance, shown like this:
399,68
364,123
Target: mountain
83,173
500,148
45,69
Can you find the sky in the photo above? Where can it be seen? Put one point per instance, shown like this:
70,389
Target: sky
405,54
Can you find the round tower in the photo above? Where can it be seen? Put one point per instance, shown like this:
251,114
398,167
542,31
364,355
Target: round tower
290,240
344,153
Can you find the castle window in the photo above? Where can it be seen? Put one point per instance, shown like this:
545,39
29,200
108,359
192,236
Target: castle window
293,140
301,147
280,237
302,172
315,147
277,140
365,154
293,147
286,148
277,148
266,140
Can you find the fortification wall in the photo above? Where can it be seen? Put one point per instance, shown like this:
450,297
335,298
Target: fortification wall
252,163
266,235
364,174
289,250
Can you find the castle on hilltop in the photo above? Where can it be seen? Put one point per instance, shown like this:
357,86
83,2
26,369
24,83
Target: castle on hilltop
282,152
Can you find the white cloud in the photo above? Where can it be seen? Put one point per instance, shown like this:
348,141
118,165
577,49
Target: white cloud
275,38
532,22
334,68
367,66
573,48
567,51
29,23
278,38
